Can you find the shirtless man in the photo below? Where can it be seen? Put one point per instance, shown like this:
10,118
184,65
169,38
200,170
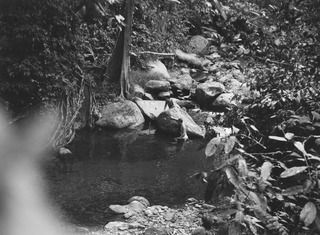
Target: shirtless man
169,103
182,130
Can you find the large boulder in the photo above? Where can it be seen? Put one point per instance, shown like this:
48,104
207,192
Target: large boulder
157,70
151,108
168,122
121,115
156,86
208,91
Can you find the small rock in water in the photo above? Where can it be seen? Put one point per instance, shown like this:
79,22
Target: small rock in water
140,199
115,226
119,209
136,207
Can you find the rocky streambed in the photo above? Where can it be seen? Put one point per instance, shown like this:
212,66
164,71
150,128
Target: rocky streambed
139,217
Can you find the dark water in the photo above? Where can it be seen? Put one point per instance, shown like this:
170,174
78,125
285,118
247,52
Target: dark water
110,167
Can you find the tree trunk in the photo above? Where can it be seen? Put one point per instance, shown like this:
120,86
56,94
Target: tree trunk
119,64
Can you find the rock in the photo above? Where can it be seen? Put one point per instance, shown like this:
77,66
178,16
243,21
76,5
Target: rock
208,91
169,216
136,207
233,85
151,108
121,115
183,82
164,95
135,225
214,56
202,77
202,117
157,70
147,96
188,104
115,226
119,209
185,71
148,212
225,99
167,122
190,58
155,231
64,151
155,86
137,91
143,200
133,208
198,44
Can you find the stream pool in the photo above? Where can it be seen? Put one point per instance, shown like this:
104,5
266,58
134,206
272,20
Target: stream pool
111,166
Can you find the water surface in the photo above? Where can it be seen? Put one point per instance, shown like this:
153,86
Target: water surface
112,166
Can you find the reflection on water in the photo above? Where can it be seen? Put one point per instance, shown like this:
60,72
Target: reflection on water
110,167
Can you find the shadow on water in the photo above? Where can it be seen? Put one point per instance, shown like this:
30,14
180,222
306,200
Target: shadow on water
112,166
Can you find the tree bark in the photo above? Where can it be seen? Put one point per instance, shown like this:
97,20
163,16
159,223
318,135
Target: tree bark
119,64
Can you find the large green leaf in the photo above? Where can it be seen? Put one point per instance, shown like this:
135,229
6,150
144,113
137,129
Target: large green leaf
228,147
212,146
266,169
293,171
308,213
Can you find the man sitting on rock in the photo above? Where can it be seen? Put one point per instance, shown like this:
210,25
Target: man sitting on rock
170,103
183,130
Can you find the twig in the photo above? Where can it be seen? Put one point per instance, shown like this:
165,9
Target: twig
272,61
156,53
257,142
271,153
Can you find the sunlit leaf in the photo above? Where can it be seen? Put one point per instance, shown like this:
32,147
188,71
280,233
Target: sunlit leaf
315,116
235,130
239,216
294,190
301,119
266,169
293,171
254,128
308,213
242,167
300,147
289,136
308,185
278,138
212,146
259,200
222,131
232,176
228,147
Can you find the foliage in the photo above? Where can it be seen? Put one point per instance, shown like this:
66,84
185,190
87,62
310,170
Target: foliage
46,48
277,187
